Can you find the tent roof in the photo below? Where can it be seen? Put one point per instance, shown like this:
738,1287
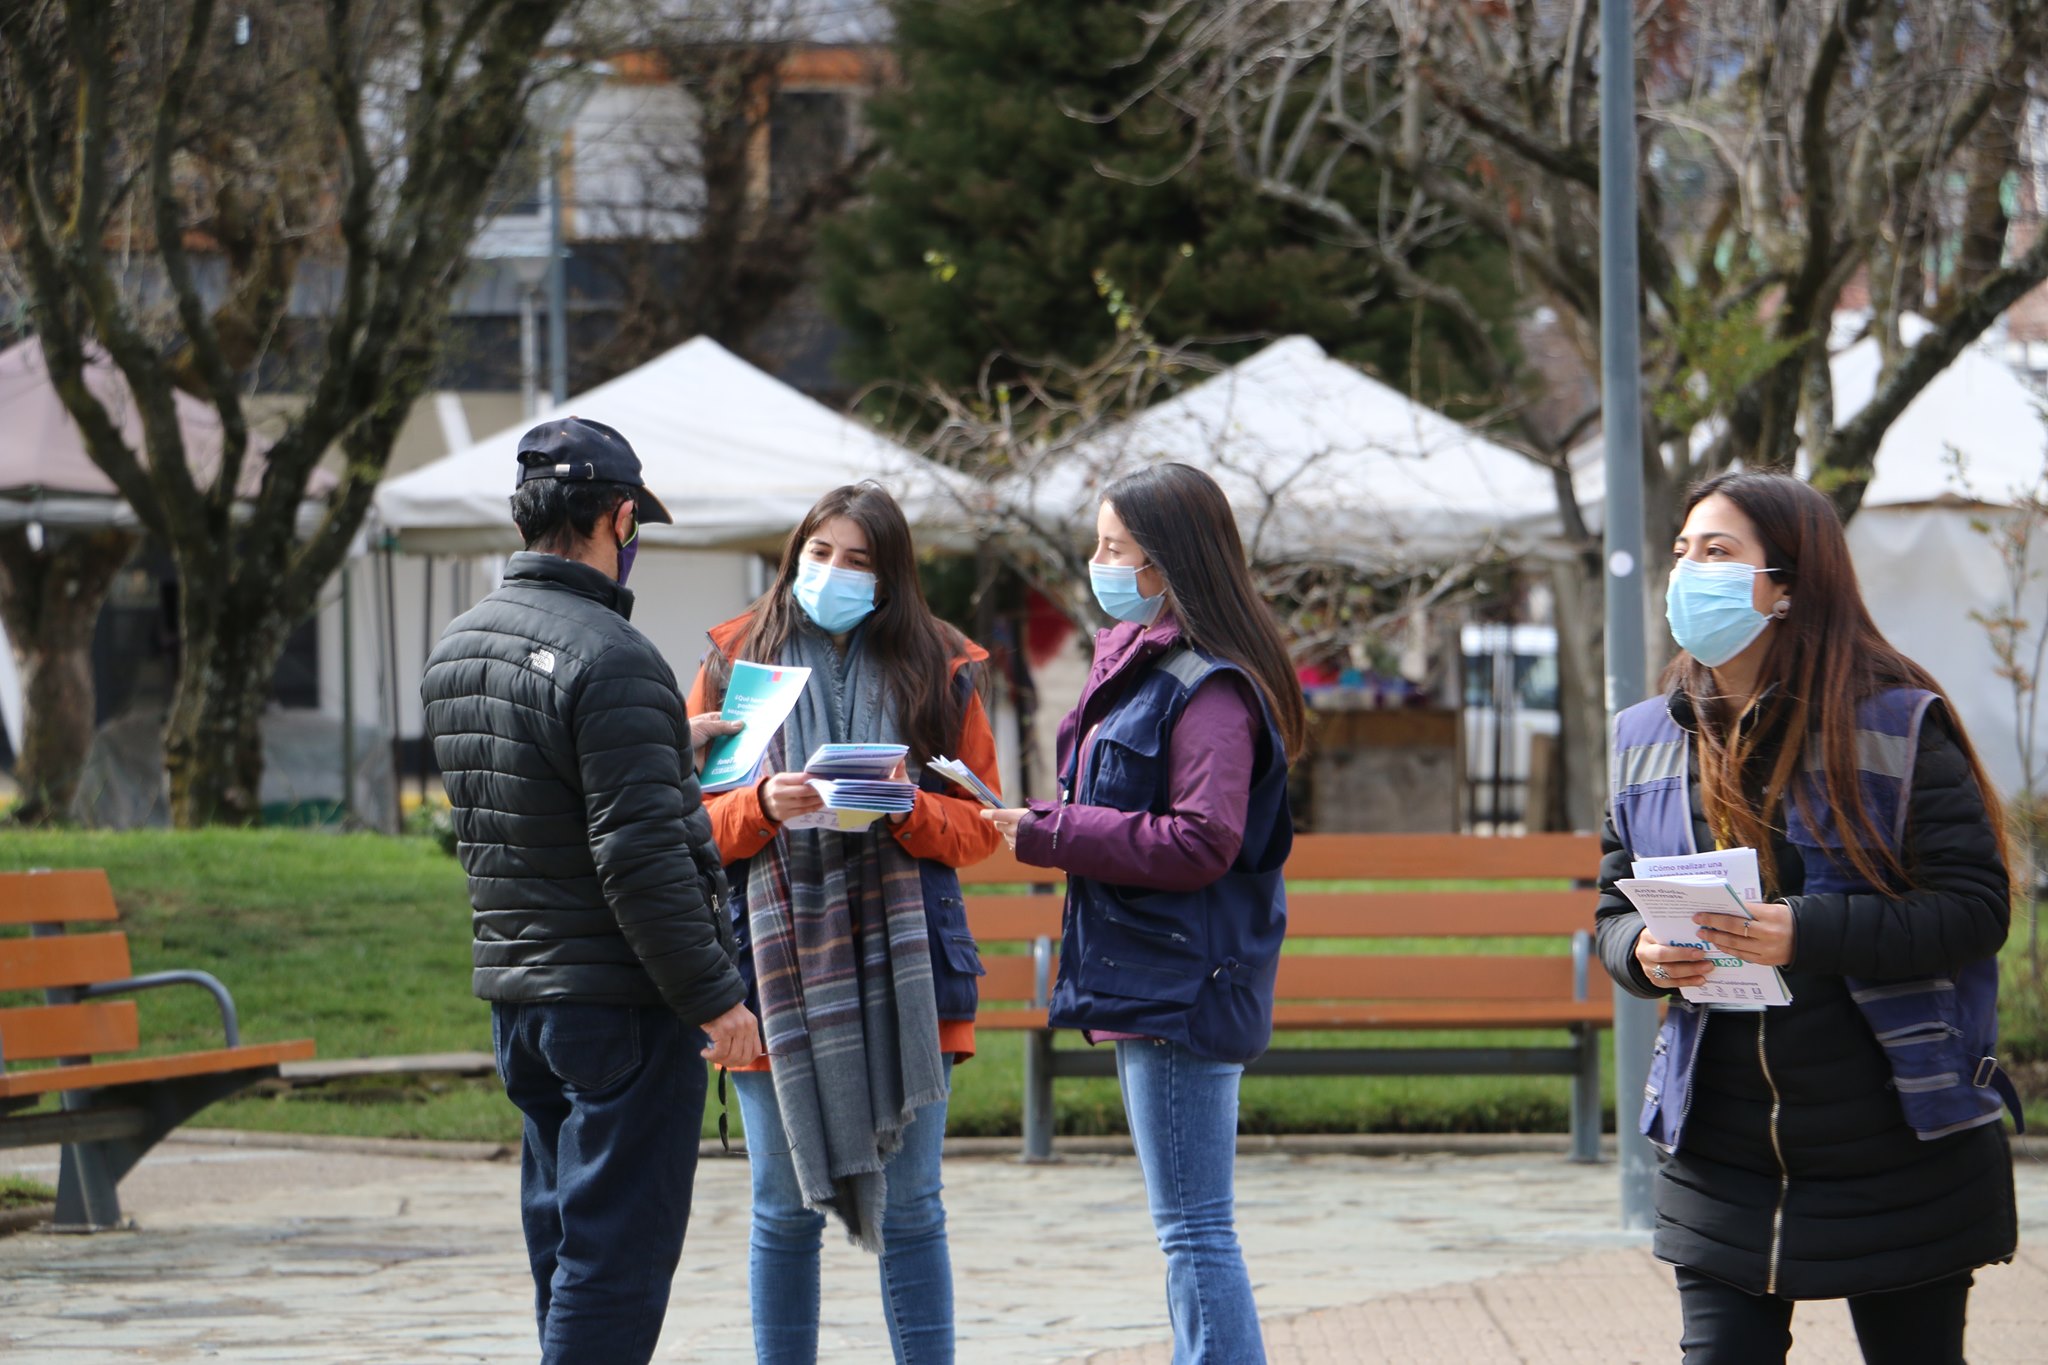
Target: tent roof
1977,406
1319,460
737,456
44,470
1977,412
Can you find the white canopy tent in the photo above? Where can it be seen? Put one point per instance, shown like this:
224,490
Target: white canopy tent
1951,462
1320,461
736,455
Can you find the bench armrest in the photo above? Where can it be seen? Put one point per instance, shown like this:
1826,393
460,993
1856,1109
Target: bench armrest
1041,972
1582,960
230,1025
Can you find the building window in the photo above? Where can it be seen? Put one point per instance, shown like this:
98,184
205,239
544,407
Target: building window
808,133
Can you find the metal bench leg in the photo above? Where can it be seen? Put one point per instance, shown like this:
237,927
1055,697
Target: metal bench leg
1586,1097
1038,1095
87,1198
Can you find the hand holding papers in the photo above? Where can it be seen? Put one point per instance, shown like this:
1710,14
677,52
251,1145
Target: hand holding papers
960,775
858,785
1670,892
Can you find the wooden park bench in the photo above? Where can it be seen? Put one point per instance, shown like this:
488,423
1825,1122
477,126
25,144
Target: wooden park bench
113,1111
1356,992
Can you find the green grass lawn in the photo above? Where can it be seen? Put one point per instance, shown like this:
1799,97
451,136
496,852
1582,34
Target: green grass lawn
361,942
19,1191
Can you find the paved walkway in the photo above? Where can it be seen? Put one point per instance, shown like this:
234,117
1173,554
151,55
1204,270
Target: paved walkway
255,1254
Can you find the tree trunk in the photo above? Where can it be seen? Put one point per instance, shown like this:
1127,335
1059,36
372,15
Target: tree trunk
1578,586
213,739
50,602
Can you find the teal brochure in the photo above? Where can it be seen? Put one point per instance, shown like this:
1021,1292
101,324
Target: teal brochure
762,695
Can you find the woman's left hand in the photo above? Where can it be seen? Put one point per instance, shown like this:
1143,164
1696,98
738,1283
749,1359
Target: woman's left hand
1765,940
901,773
1006,822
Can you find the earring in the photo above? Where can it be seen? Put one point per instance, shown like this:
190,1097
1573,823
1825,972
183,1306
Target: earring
1783,608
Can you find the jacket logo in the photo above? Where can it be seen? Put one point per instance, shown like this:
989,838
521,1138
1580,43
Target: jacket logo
542,661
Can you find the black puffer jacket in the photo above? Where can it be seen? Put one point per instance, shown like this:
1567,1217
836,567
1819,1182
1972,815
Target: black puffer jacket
1867,1206
565,750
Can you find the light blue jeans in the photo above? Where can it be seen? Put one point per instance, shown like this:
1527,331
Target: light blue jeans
1183,1115
783,1250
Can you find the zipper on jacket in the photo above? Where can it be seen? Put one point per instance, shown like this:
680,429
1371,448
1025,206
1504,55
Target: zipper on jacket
1173,935
1777,1150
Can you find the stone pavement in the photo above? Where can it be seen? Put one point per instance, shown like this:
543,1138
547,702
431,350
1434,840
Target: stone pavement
260,1254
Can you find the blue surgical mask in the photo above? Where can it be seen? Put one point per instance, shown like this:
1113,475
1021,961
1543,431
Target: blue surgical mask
836,600
1116,589
1712,609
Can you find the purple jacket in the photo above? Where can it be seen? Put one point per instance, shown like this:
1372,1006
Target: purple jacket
1210,759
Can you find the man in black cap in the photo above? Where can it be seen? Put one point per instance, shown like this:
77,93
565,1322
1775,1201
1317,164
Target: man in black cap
602,938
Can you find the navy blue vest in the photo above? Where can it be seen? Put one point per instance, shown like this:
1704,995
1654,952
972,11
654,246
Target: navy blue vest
1939,1034
1191,967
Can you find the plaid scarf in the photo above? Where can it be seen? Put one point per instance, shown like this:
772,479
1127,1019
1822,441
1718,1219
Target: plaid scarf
843,959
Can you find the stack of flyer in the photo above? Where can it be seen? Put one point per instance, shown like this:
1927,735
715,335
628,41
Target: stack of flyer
1669,892
858,785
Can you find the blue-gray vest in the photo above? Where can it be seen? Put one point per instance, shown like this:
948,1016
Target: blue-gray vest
1191,967
1939,1034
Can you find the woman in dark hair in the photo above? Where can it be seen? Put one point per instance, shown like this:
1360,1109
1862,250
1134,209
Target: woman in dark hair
1849,1144
1172,826
855,944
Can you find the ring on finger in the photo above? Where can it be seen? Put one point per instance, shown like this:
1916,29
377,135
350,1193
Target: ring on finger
1659,972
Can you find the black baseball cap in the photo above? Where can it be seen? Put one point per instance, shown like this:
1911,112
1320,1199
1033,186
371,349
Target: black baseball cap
576,448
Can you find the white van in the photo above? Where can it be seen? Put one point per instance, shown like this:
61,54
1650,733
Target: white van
1510,686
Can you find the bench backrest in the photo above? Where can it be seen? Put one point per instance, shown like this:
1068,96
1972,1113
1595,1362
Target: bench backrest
49,959
999,918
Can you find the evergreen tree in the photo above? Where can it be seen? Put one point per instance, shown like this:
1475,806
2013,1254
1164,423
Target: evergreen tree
1009,182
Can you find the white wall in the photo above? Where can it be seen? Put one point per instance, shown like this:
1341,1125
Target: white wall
10,693
678,595
633,165
628,172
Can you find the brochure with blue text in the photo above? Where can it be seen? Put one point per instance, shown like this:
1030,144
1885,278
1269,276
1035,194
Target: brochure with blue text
762,695
1668,905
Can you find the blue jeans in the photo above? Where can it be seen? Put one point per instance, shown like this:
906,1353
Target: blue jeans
614,1098
1183,1116
783,1252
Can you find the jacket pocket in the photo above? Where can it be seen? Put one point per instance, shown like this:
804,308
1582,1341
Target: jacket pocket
1127,767
956,962
591,1047
962,955
1135,976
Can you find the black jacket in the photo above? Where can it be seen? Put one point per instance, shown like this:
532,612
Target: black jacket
1866,1205
565,751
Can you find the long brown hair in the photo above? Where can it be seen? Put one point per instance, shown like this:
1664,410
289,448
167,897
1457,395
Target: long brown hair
1824,657
1184,524
915,648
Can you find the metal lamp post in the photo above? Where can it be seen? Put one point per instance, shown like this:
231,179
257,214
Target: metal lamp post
554,106
1635,1021
531,272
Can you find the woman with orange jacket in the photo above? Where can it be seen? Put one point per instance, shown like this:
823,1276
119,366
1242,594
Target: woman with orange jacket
855,945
